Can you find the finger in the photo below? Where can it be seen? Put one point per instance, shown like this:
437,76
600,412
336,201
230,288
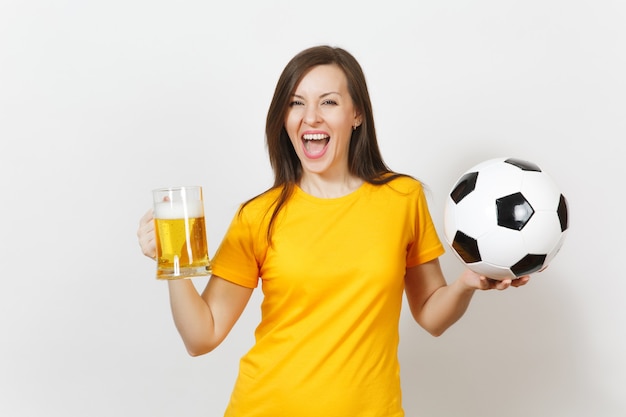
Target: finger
146,235
148,247
520,281
147,241
485,283
504,284
147,217
146,223
149,226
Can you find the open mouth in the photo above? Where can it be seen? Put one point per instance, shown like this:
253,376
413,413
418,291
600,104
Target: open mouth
315,144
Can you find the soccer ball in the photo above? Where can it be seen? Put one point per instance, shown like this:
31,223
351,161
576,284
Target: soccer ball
505,218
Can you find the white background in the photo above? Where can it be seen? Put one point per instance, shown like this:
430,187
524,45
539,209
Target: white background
100,102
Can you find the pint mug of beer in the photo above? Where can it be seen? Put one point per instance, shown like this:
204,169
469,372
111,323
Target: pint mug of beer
181,242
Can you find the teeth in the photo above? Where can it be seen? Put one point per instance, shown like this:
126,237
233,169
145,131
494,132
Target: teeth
315,136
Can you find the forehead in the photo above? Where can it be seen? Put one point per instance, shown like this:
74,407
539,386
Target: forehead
323,79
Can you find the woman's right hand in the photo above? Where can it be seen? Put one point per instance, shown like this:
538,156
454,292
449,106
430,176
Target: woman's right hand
146,235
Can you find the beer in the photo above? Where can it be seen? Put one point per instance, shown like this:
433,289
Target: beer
181,242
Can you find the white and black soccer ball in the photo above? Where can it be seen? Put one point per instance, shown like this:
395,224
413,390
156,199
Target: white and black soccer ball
505,218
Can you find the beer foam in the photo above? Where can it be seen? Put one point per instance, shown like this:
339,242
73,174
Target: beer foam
178,209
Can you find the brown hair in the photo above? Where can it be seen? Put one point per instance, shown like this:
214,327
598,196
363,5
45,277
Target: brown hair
364,157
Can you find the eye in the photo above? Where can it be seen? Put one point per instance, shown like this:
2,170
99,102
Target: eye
294,103
329,102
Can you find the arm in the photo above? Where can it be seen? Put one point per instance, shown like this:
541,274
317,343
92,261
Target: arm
435,305
203,321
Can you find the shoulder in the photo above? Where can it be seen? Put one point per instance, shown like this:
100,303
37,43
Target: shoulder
404,184
260,204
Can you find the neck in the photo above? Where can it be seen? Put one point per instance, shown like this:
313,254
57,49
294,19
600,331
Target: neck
325,187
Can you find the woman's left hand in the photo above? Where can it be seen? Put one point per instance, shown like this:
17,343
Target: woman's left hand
480,282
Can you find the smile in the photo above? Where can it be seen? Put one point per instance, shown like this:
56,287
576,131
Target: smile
315,144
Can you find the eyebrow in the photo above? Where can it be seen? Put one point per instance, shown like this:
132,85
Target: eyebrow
321,96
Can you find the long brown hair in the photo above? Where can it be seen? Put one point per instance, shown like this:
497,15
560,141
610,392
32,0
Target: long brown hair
364,158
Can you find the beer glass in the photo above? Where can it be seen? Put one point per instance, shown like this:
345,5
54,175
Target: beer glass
181,242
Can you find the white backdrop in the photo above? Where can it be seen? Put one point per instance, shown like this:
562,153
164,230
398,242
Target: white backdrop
100,102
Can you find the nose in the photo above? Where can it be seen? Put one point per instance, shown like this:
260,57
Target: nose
311,115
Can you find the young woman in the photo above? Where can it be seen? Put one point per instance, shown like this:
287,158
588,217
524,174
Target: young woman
335,243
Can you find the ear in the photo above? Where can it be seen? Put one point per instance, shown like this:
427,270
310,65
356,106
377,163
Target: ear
358,119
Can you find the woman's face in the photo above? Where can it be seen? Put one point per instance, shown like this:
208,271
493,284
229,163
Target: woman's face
320,120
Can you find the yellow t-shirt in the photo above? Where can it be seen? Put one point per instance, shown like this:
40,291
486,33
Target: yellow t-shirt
333,281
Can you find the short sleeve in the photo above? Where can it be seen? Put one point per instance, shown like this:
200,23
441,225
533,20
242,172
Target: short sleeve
235,259
426,244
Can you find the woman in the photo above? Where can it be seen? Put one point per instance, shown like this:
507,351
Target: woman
335,242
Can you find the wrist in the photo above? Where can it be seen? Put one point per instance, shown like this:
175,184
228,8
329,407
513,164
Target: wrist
468,282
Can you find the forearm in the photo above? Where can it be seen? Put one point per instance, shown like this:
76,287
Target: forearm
445,307
192,317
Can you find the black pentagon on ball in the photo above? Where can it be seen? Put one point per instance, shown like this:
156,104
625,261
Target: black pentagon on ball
464,186
513,211
467,247
523,165
528,264
562,213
